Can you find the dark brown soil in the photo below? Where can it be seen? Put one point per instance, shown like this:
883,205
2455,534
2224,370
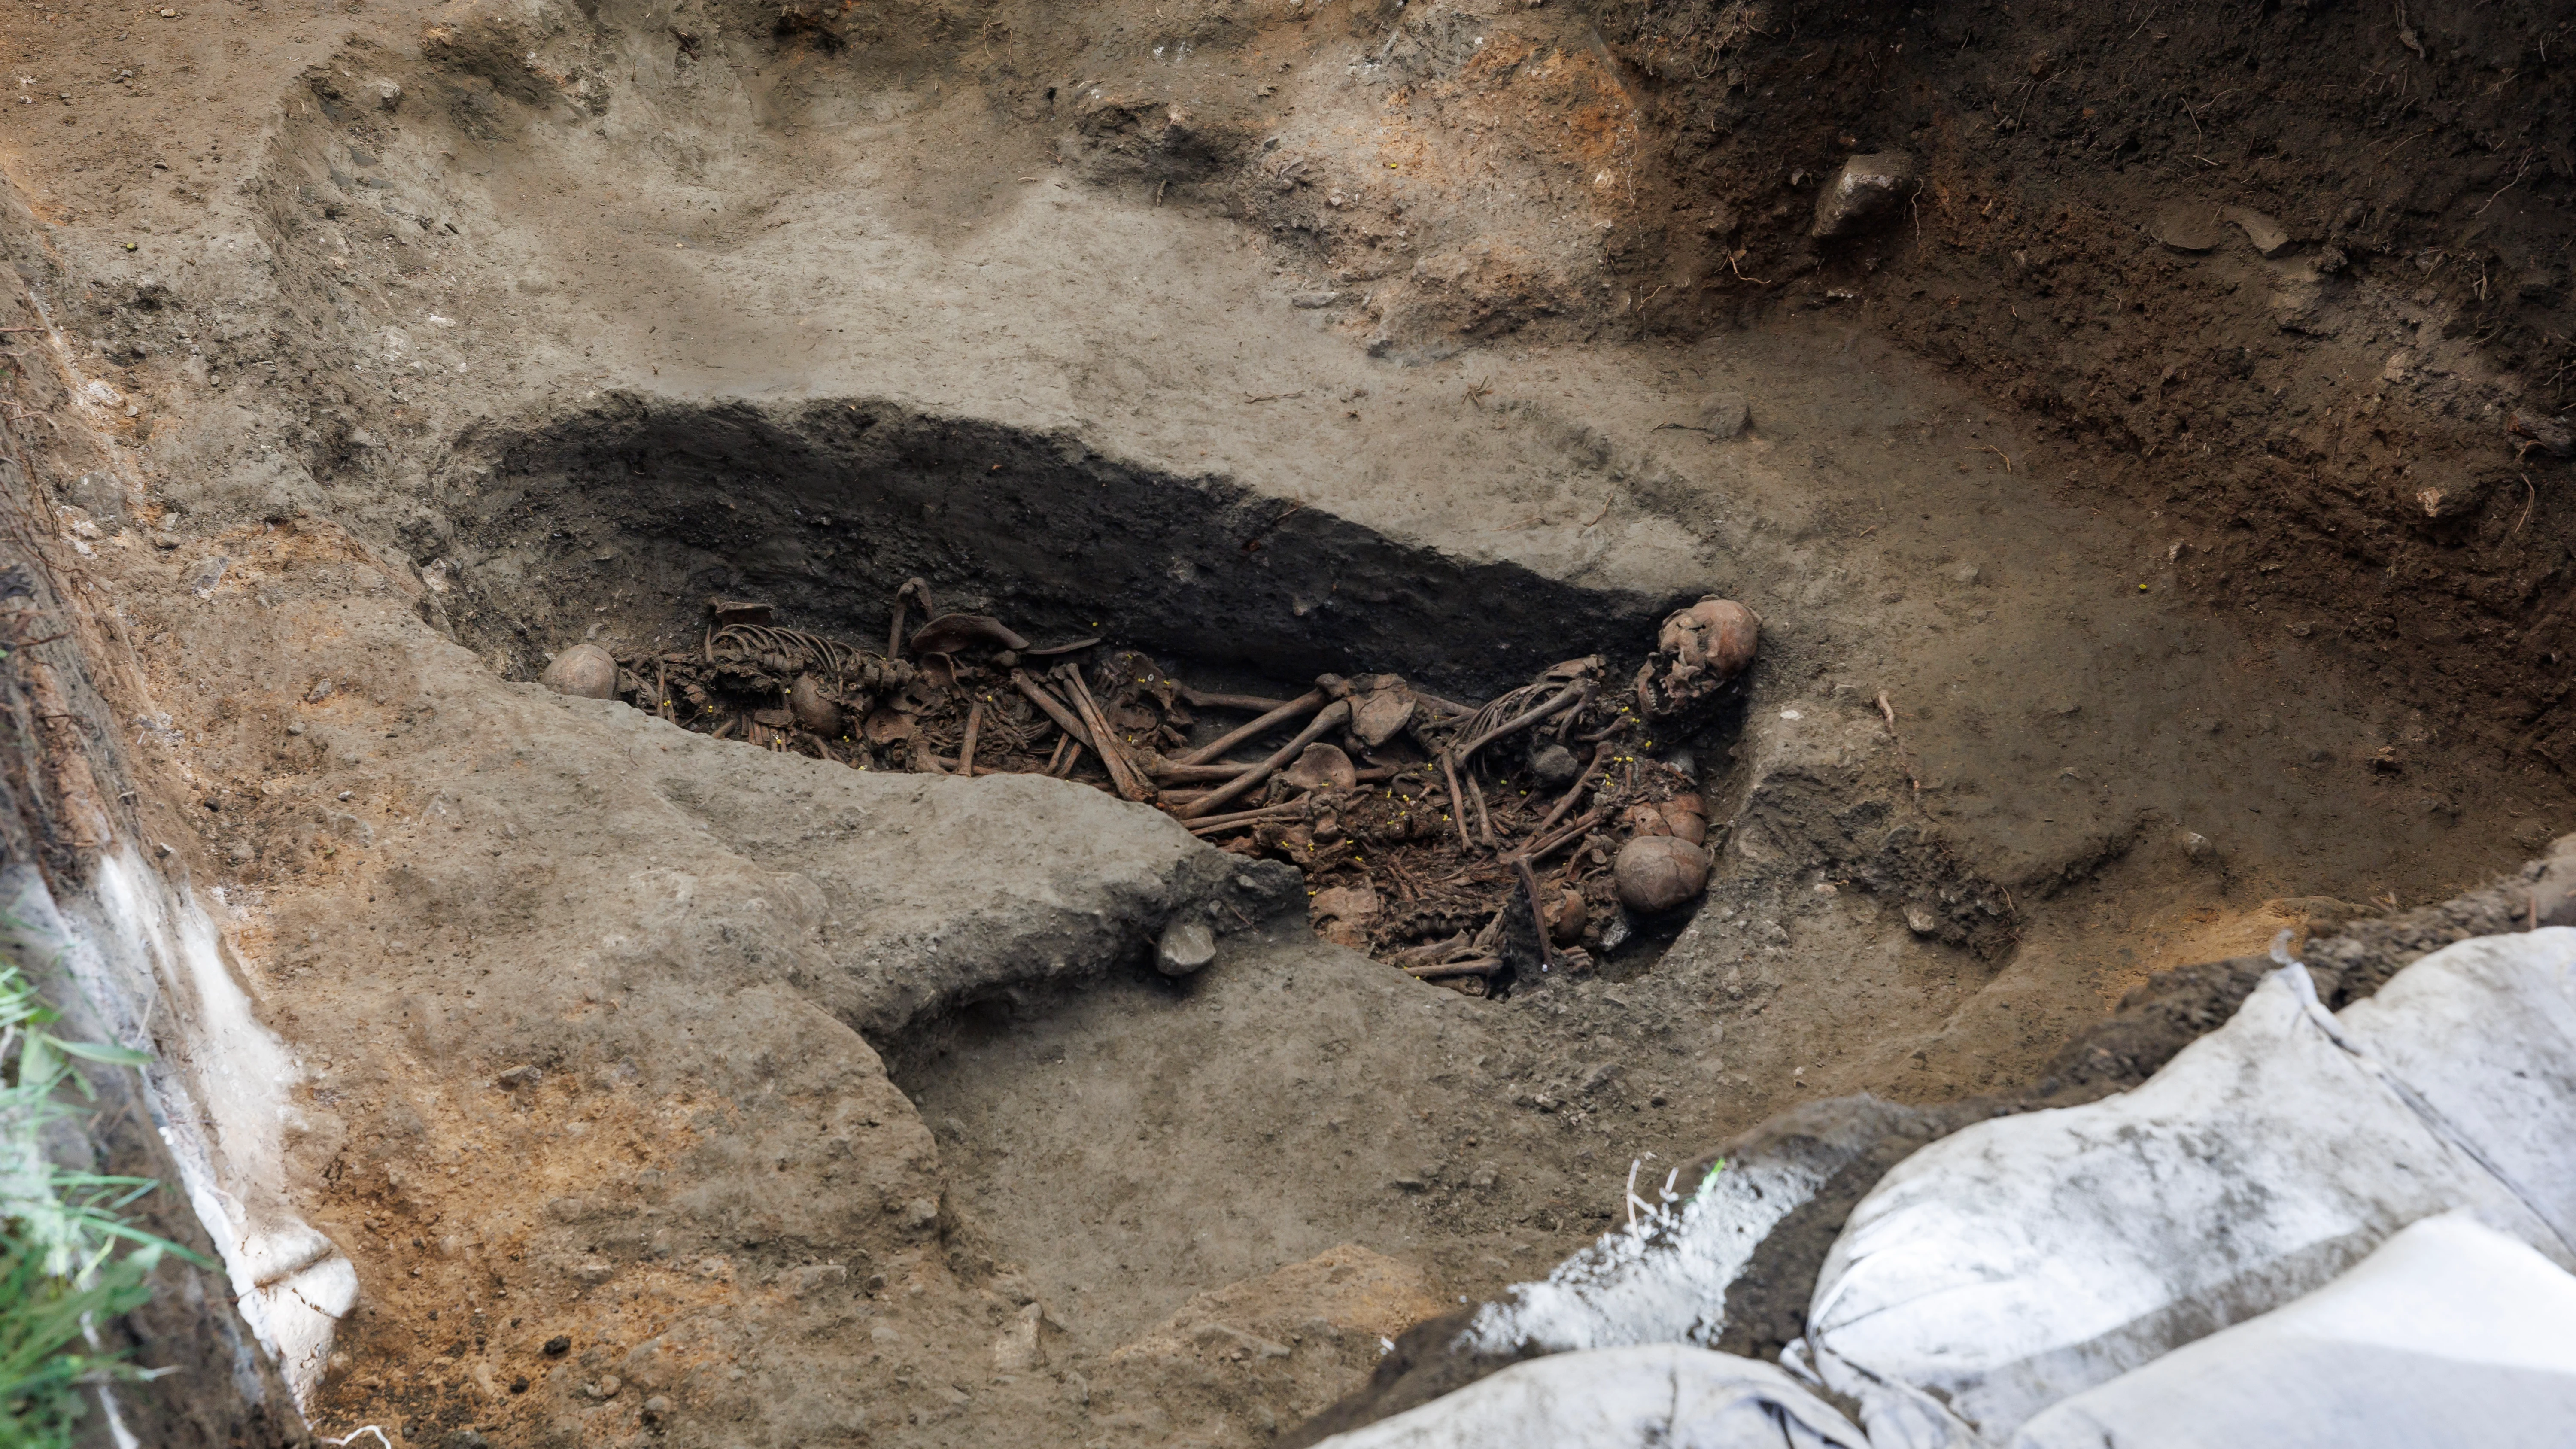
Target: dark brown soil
2332,428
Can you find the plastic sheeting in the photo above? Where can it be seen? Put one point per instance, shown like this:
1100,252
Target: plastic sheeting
2449,1334
1661,1396
2025,1260
2483,1036
1663,1278
221,1095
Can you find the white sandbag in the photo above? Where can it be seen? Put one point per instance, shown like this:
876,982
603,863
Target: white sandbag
2483,1035
1660,1396
2029,1258
2451,1334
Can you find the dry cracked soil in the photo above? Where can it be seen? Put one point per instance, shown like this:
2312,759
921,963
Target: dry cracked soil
2158,517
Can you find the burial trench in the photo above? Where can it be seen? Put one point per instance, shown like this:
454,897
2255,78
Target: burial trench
751,557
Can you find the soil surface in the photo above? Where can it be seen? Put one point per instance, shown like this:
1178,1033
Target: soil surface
2156,519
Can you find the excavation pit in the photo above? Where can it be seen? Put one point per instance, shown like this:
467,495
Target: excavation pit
1137,634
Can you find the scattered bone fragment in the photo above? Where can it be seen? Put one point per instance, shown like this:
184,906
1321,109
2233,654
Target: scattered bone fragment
951,632
2267,234
1377,715
1322,767
738,611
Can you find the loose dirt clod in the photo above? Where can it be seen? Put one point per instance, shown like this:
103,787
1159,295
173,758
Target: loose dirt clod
2189,227
1867,190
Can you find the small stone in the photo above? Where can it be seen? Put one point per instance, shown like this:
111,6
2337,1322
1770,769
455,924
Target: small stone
1965,573
1867,190
1555,767
1187,946
656,1409
241,853
815,1278
464,1439
522,1076
558,1346
585,671
1920,920
1724,415
322,689
1017,1349
1311,301
388,96
2196,847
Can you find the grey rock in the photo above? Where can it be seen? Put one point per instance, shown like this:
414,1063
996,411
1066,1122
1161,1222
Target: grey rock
1555,767
1865,192
1724,415
1187,946
1311,301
